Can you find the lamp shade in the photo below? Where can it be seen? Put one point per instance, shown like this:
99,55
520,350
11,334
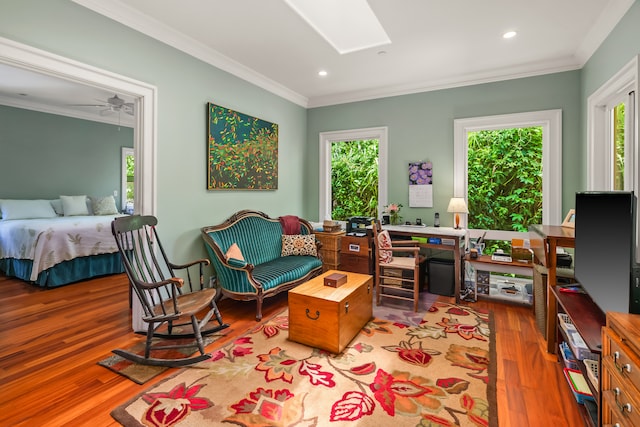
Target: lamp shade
457,205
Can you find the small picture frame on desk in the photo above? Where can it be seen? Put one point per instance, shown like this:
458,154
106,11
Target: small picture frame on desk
570,219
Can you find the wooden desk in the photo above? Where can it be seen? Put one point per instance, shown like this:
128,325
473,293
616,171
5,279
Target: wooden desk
455,236
545,239
485,263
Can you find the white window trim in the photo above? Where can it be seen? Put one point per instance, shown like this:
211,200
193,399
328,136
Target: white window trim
599,144
326,138
551,122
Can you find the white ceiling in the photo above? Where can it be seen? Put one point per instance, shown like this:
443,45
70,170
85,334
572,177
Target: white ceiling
23,88
435,44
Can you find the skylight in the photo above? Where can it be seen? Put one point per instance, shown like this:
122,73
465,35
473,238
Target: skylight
348,26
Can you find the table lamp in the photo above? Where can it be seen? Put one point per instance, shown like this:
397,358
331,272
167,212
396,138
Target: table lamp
457,206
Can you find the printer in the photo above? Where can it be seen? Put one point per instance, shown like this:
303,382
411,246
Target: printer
356,225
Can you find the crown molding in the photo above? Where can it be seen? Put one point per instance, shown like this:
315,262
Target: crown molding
126,15
600,30
493,76
67,112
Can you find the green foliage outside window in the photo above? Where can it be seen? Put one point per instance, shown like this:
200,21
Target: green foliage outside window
618,117
354,179
505,179
130,176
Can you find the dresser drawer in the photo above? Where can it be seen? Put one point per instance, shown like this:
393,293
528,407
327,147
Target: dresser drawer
358,246
619,399
355,263
619,357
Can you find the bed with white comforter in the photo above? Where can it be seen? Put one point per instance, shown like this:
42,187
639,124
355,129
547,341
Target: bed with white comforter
59,250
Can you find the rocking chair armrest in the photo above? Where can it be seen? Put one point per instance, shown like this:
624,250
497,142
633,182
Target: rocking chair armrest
202,261
177,281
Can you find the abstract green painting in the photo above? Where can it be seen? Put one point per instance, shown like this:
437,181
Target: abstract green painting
242,151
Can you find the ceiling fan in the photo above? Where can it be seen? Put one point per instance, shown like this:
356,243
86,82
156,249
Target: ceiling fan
115,104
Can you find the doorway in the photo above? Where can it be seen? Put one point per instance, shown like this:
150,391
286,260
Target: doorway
145,140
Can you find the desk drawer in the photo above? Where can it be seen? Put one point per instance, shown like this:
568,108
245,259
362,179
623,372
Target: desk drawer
355,263
355,246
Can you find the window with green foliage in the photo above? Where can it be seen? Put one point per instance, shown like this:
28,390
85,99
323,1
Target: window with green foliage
618,144
128,168
130,178
505,178
509,168
354,179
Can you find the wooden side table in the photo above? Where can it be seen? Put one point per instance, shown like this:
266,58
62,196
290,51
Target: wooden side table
330,250
545,239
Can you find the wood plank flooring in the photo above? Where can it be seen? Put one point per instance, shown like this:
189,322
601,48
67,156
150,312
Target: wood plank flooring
51,341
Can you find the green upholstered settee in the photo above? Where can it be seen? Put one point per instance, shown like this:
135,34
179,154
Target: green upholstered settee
255,268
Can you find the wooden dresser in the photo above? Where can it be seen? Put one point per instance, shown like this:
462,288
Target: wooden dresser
620,378
330,250
355,254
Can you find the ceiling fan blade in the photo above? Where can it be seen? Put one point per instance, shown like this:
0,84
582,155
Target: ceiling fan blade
87,105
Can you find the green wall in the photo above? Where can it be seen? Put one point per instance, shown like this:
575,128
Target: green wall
421,128
620,47
46,155
420,125
185,85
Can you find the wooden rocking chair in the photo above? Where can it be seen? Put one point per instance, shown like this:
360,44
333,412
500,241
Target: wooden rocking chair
174,308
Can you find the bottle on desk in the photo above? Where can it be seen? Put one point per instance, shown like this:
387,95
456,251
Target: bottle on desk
436,220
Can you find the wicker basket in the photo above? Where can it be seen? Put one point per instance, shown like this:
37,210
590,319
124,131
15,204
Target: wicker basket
592,371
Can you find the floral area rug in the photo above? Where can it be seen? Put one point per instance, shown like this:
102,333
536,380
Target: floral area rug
441,372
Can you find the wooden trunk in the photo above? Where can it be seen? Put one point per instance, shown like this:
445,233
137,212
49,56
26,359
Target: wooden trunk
329,318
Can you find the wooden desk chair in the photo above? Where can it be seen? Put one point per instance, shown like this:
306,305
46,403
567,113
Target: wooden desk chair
184,308
390,268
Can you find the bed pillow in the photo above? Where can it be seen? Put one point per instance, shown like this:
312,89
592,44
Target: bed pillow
104,205
299,244
26,209
74,205
57,206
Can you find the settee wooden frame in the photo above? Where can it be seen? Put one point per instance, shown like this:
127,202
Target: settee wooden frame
257,291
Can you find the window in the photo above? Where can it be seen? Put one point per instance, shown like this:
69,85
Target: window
326,141
127,180
611,141
550,124
354,179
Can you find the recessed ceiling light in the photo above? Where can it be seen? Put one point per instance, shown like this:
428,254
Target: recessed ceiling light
509,34
322,73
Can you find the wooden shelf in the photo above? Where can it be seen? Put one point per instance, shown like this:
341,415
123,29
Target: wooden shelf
588,320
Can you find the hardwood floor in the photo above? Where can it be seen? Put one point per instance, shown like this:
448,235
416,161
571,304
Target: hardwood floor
50,341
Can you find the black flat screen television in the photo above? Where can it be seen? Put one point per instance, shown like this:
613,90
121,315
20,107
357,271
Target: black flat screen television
604,261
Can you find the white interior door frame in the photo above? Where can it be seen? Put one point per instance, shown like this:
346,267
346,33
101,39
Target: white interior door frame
145,128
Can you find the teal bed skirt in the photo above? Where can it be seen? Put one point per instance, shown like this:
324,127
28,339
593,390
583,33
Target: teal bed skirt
66,272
